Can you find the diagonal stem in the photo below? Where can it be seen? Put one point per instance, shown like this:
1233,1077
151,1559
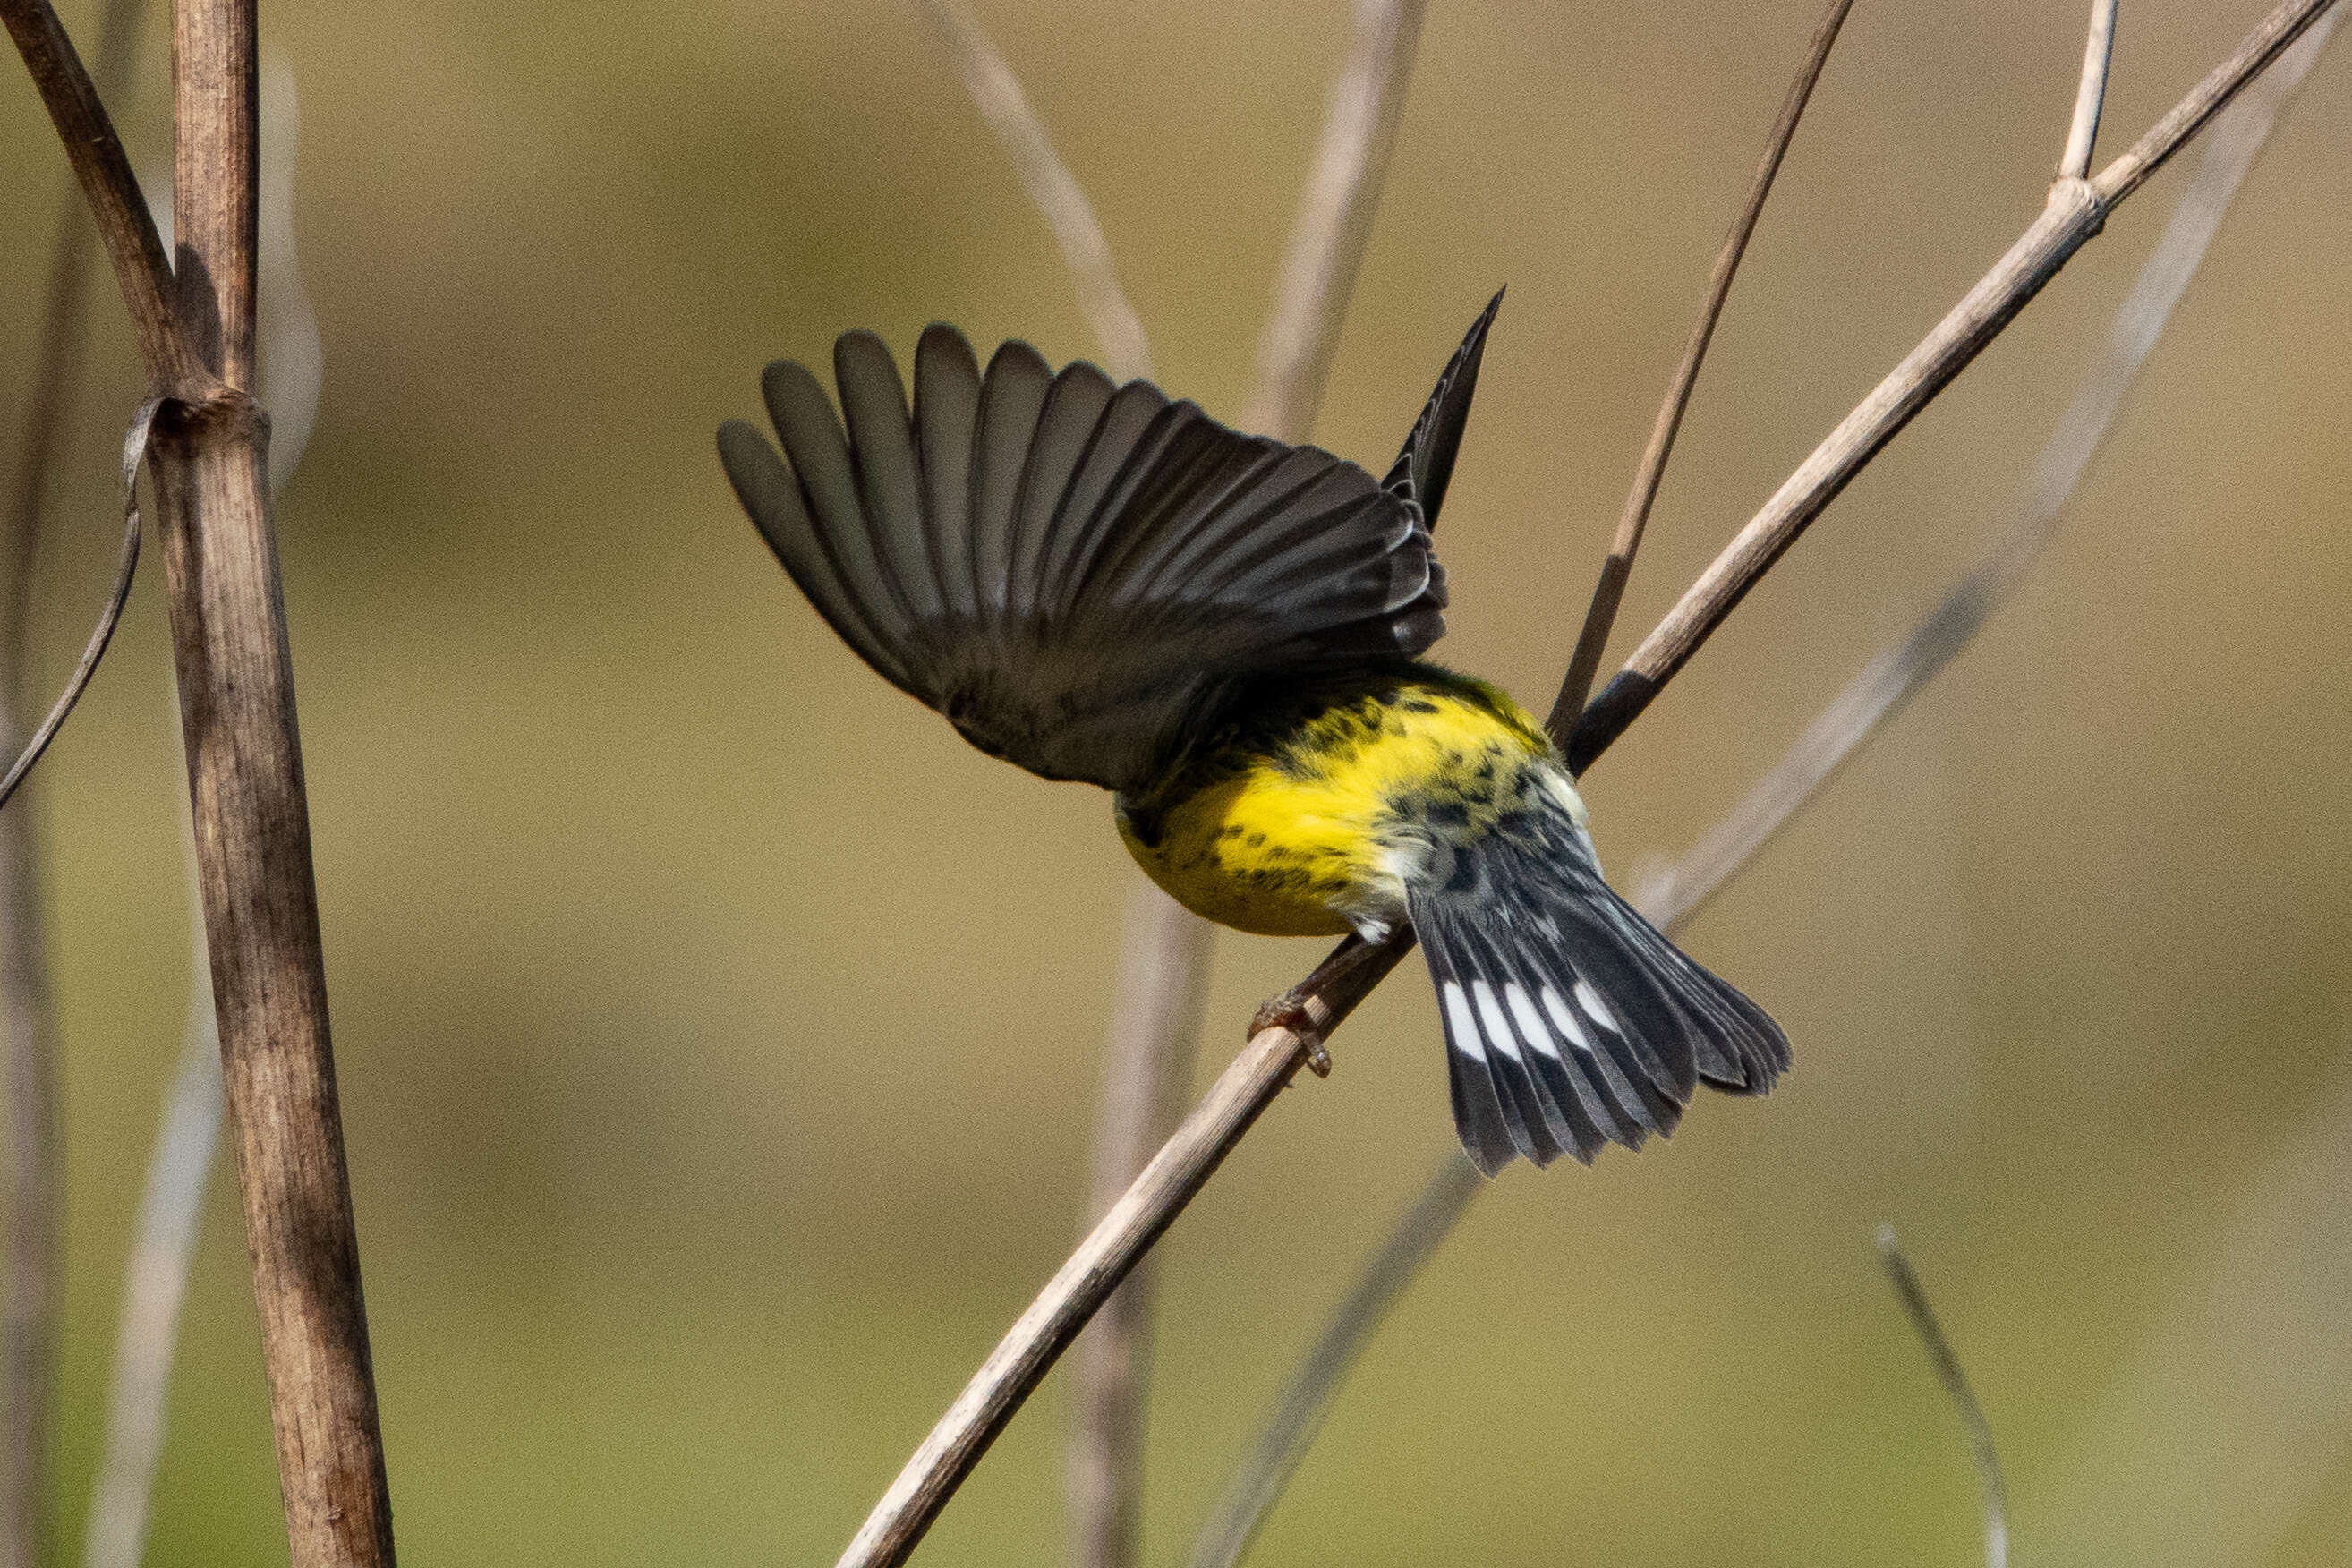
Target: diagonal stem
1609,592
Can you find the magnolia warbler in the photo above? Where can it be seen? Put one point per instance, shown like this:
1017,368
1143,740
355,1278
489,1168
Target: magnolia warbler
1097,583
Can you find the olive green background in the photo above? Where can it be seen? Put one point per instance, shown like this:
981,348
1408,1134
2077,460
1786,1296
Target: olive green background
718,1035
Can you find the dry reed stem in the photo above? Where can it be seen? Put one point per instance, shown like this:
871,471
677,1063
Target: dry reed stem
1670,900
179,1172
1948,1372
997,92
2091,93
253,836
2076,213
1593,641
1274,1055
141,268
1335,220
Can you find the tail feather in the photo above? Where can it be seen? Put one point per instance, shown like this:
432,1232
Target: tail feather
1570,1022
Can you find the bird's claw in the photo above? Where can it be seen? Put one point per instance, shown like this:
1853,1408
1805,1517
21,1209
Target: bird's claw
1289,1011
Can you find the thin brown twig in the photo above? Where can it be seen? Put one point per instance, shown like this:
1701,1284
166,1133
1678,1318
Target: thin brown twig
997,92
1610,591
1335,219
1948,1372
132,246
2089,93
1305,1398
1274,1055
1670,899
27,1327
134,451
2077,210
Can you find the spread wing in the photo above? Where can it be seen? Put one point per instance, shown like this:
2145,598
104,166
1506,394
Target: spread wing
1068,569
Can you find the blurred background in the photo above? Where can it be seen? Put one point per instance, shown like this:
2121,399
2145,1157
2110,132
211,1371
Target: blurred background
718,1035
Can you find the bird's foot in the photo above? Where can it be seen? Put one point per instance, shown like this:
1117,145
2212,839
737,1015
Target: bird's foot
1292,1010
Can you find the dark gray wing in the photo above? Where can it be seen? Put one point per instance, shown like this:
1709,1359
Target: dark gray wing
1064,567
1427,465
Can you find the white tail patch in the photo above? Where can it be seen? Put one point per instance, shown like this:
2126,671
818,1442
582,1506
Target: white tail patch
1463,1019
1498,1028
1565,1021
1530,1022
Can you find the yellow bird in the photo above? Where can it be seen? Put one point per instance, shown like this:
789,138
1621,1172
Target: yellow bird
1097,583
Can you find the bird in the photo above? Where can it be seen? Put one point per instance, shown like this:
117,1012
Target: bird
1098,581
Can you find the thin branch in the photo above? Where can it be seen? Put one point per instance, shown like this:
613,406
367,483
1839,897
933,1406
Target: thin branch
1335,220
134,451
1609,592
1946,1362
1670,900
997,92
141,268
187,1137
28,1323
2090,96
2076,212
1305,1396
1323,1000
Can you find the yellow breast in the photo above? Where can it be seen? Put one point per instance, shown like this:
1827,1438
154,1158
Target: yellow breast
1304,819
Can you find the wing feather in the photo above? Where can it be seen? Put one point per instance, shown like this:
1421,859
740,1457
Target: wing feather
947,413
1068,569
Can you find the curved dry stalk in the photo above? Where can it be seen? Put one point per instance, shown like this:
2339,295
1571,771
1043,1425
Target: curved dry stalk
1609,592
1948,1372
2091,94
2076,211
1851,719
1275,1054
1335,220
141,266
1305,1396
134,452
27,1031
996,93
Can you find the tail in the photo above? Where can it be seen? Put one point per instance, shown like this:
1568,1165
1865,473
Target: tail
1570,1022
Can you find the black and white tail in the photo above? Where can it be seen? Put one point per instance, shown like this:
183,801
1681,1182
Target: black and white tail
1570,1020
